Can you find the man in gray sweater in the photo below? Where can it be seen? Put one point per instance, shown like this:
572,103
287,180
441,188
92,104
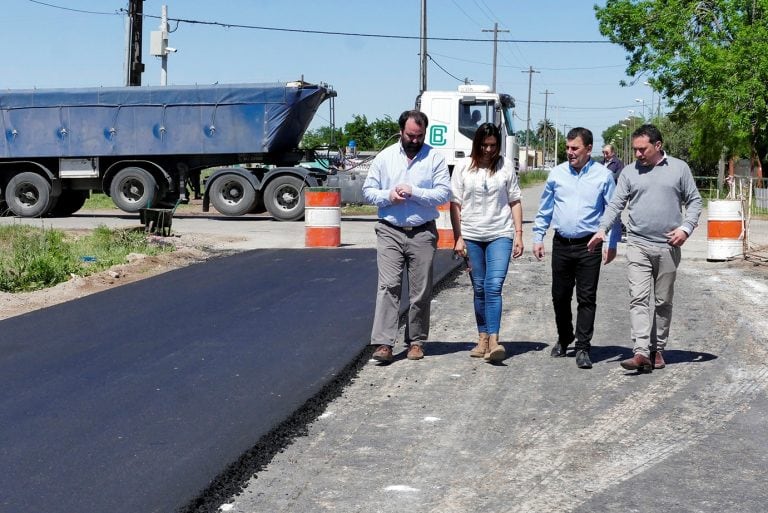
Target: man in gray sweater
654,188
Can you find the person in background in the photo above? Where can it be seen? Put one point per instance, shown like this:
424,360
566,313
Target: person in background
487,221
615,165
407,181
654,189
574,198
612,161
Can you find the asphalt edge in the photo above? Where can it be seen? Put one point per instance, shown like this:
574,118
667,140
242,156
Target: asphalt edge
234,478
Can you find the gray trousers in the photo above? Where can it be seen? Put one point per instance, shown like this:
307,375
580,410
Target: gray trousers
397,252
651,271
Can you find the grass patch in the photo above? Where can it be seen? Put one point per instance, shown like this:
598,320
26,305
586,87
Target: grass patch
34,258
532,177
358,210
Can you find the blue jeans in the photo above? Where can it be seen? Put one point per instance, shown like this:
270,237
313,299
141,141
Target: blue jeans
490,262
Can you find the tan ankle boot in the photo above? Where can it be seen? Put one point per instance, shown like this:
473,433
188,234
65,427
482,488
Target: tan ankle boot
482,346
496,352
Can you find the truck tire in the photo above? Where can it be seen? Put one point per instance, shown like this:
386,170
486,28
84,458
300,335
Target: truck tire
132,189
284,198
28,195
69,202
232,195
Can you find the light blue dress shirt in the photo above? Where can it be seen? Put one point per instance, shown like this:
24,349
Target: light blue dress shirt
572,203
427,174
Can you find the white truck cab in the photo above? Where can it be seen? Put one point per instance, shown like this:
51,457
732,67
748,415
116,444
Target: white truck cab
455,115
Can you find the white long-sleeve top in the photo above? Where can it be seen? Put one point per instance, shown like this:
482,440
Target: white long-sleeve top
485,200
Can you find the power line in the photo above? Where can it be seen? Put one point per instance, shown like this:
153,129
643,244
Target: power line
76,10
444,70
334,33
526,67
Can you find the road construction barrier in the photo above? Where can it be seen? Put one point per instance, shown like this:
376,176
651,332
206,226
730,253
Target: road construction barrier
725,230
322,217
444,229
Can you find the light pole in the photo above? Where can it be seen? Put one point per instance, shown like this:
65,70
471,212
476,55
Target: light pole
653,94
624,142
642,105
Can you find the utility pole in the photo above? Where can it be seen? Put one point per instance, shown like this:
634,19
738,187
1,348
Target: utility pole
530,72
495,46
159,45
546,94
423,81
133,65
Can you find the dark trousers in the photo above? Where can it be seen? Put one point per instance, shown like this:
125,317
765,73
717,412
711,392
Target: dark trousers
573,265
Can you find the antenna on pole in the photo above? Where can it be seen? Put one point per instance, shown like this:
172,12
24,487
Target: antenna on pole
423,81
159,45
495,46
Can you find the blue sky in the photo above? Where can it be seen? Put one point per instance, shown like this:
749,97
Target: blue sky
44,46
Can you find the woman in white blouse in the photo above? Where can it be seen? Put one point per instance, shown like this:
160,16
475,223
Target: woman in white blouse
487,220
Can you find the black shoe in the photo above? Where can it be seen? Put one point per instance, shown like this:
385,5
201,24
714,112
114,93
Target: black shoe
558,350
582,359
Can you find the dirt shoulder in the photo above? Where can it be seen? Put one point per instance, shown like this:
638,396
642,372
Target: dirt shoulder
188,250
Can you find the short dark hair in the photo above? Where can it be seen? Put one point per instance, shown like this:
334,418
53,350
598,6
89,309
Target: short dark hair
416,115
650,131
579,131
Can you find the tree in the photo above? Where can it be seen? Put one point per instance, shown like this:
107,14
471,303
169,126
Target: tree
359,131
545,131
321,137
708,57
385,131
368,136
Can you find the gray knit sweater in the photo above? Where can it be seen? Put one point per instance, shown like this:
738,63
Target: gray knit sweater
655,197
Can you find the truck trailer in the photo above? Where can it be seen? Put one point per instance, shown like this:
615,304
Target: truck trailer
139,145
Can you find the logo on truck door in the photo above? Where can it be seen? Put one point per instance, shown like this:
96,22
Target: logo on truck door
437,135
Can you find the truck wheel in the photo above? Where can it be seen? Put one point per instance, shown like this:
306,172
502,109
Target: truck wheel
284,198
132,189
28,195
232,195
69,202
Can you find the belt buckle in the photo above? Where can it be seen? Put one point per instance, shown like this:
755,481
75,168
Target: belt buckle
407,228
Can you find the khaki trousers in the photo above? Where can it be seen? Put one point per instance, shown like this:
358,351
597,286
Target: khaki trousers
651,271
399,252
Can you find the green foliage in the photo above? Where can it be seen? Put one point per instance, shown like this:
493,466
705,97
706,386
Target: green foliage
322,138
709,58
532,177
33,258
368,136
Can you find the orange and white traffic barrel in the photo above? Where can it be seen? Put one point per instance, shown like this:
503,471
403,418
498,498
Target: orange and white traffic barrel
725,230
444,229
322,217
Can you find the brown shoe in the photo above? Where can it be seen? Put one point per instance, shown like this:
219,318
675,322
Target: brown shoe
415,352
383,353
638,362
482,346
658,360
496,351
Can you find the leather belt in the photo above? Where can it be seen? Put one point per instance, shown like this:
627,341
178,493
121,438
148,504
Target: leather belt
572,241
428,224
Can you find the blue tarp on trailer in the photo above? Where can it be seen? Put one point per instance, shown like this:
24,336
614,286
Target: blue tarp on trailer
210,119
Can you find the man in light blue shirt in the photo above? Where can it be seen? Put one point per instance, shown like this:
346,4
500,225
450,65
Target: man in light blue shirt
407,181
573,201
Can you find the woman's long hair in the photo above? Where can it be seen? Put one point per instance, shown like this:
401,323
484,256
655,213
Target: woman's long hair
483,131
